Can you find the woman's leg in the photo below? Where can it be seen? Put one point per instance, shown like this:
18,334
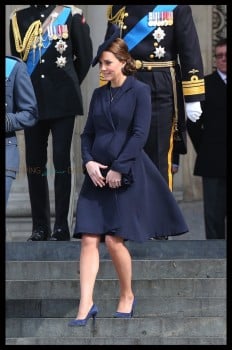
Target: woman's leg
123,265
89,265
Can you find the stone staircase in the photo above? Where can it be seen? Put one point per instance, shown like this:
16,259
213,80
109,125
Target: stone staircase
180,288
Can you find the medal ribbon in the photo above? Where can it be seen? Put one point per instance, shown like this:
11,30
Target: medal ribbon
31,61
141,30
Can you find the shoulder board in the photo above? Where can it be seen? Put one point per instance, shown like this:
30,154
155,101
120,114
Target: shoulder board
75,10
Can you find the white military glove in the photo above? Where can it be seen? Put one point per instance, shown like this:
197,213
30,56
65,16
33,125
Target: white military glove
193,110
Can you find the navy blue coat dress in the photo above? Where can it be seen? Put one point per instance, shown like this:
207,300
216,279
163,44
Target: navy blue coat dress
114,135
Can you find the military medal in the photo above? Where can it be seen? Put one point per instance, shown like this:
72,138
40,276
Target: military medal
162,18
159,52
61,46
151,19
170,18
52,34
61,61
159,34
59,31
64,31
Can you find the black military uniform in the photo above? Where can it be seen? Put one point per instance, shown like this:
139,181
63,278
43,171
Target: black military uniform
55,43
160,38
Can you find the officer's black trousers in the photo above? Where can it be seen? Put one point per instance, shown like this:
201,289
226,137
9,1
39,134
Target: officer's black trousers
214,200
36,141
158,146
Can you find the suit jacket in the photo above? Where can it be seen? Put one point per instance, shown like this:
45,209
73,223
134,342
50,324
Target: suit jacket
20,107
58,88
208,134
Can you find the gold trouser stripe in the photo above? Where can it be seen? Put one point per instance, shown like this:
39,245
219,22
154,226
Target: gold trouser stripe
174,129
170,174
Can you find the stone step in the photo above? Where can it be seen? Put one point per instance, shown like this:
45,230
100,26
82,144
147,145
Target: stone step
19,229
142,269
112,328
145,307
145,340
154,249
108,288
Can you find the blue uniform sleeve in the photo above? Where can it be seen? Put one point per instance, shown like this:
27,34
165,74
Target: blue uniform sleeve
25,111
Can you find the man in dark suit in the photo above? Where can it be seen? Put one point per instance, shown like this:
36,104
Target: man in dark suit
54,41
208,136
164,42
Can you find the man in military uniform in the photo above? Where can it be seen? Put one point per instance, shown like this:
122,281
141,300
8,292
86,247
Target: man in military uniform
164,42
20,112
55,43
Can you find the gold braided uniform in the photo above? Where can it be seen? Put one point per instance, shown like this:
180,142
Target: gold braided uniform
169,60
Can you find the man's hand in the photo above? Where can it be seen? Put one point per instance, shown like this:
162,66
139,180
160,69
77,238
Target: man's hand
193,110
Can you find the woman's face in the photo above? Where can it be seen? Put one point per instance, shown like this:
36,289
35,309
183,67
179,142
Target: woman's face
110,67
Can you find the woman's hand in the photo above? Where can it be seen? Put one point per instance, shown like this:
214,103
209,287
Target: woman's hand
94,170
113,179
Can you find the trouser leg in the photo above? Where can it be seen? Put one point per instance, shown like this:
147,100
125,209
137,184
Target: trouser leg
214,201
62,131
36,141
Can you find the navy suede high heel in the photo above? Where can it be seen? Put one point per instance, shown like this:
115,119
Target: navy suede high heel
92,313
126,314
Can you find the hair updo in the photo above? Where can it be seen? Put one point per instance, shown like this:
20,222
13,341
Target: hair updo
120,50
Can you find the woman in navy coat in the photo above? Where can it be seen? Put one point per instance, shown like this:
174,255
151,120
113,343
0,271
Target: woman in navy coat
21,112
124,196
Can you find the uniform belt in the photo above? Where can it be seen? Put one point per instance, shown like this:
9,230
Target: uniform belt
142,65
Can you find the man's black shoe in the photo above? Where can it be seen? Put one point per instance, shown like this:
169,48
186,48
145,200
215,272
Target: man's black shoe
60,235
39,235
159,238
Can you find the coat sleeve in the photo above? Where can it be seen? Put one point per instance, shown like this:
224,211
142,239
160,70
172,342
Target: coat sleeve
138,133
24,101
188,47
82,46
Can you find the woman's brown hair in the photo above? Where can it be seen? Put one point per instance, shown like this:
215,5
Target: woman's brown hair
120,50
